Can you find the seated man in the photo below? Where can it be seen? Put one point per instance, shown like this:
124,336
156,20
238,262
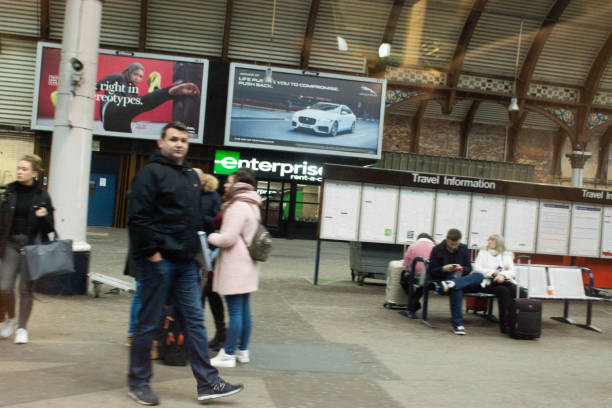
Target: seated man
420,249
450,267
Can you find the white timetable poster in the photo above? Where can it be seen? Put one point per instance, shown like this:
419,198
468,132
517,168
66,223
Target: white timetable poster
416,213
606,233
520,224
378,211
452,211
340,215
586,230
553,228
486,219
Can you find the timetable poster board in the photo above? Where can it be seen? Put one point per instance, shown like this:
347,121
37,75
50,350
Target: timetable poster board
606,233
486,219
553,228
585,230
378,213
340,215
452,211
520,224
416,214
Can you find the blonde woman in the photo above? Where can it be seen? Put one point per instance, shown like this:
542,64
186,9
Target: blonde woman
497,265
26,215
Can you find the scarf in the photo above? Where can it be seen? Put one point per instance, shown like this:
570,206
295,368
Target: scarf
239,192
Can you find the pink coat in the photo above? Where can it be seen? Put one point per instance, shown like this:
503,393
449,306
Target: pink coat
421,248
235,271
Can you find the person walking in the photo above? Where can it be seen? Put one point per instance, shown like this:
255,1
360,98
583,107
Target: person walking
164,218
210,206
236,273
26,217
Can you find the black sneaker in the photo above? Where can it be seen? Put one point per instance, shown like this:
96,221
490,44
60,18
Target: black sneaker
219,389
143,395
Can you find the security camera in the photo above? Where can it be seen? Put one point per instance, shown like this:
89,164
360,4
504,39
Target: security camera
76,64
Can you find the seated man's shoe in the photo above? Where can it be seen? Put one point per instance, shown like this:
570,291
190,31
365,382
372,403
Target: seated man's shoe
460,330
143,395
219,389
449,284
438,288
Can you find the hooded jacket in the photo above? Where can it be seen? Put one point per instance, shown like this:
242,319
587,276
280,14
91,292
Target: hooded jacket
164,210
37,226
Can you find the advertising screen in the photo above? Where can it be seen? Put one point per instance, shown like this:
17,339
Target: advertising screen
136,94
305,111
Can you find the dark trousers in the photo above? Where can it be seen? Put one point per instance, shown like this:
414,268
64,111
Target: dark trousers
504,292
179,281
215,302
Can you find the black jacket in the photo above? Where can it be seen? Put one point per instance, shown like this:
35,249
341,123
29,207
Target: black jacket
164,210
440,256
210,205
37,226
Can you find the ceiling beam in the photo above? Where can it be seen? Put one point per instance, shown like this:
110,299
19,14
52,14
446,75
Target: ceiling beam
310,26
539,41
389,34
513,135
591,85
227,28
417,122
604,152
466,128
456,64
558,141
142,30
44,20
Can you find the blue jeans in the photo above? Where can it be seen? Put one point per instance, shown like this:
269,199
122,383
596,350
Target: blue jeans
179,281
239,312
471,281
135,309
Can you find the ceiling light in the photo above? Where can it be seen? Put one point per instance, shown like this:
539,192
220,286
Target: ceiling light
268,75
384,50
342,45
513,107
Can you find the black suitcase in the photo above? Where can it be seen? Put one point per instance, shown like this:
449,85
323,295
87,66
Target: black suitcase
525,315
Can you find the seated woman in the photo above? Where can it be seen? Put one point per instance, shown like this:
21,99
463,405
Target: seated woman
497,266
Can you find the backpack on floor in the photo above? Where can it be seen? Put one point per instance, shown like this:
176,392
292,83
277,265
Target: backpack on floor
171,341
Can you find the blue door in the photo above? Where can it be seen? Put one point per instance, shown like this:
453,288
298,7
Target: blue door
101,208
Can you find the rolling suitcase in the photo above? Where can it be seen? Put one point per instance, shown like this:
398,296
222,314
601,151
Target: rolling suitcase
395,295
525,315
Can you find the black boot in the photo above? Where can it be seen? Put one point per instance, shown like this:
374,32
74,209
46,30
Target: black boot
218,341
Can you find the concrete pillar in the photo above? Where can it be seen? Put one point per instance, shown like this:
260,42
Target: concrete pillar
578,158
72,128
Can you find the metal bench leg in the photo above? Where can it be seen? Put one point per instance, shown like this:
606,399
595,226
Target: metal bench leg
589,316
490,316
425,304
565,318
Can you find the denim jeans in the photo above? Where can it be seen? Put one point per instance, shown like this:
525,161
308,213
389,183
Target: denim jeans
472,282
179,281
239,312
135,309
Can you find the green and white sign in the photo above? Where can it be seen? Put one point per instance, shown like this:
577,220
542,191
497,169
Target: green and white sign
227,162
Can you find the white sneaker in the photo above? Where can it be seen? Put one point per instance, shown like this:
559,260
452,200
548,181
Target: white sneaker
8,327
21,336
223,360
242,356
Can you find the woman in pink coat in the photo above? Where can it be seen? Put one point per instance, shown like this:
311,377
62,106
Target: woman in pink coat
236,274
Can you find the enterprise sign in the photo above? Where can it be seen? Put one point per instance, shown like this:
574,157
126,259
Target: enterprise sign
227,162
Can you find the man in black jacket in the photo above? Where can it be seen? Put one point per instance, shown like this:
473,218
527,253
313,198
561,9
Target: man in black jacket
164,213
450,265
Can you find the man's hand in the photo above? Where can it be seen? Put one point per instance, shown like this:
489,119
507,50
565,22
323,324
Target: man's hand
449,268
500,278
156,257
41,212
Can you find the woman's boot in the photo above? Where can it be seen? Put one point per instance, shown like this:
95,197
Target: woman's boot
218,341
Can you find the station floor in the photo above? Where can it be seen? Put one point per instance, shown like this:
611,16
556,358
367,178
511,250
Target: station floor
331,345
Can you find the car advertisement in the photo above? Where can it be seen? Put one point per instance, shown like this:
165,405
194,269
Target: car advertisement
304,111
136,94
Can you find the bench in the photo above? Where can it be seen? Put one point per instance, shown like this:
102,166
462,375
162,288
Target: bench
566,284
117,285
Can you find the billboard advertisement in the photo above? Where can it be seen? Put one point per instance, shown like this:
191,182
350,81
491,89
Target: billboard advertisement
136,93
305,111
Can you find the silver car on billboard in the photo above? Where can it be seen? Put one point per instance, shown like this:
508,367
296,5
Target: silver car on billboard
325,118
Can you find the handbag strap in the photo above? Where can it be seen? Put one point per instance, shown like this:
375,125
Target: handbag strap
258,224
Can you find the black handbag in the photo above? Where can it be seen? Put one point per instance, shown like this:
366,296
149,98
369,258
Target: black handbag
49,259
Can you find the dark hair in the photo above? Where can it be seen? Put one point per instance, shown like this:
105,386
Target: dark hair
245,175
174,125
425,235
453,235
